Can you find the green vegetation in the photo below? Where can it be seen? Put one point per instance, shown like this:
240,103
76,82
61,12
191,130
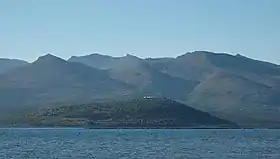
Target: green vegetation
134,113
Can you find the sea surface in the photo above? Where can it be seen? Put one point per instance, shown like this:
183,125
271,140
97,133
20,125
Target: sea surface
138,144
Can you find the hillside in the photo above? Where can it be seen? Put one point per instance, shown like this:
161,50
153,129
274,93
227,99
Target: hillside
9,64
138,73
51,79
235,88
237,99
133,113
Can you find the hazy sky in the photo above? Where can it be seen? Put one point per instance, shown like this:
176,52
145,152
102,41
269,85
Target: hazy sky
146,28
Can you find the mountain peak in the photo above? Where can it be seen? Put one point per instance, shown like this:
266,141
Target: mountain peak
202,52
130,56
49,58
195,54
99,55
93,55
241,56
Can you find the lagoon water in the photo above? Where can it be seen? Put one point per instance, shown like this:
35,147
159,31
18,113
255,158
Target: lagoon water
138,144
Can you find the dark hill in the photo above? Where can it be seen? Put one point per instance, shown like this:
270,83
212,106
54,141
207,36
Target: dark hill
135,113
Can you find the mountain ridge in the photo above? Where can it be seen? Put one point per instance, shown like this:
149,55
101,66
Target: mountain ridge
9,64
232,87
52,78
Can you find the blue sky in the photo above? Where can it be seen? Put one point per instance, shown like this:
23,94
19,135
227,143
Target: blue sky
146,28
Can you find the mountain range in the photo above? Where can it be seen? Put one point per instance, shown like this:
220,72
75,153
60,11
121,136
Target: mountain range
231,87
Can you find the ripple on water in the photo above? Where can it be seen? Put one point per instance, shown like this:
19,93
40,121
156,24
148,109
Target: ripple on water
84,143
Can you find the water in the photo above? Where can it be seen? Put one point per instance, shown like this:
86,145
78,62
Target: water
134,144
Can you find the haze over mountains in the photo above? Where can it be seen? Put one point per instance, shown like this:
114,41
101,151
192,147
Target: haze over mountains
8,64
235,88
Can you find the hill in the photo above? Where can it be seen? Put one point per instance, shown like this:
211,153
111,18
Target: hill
133,113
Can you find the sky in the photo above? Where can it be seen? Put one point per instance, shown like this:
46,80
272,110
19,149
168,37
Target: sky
145,28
